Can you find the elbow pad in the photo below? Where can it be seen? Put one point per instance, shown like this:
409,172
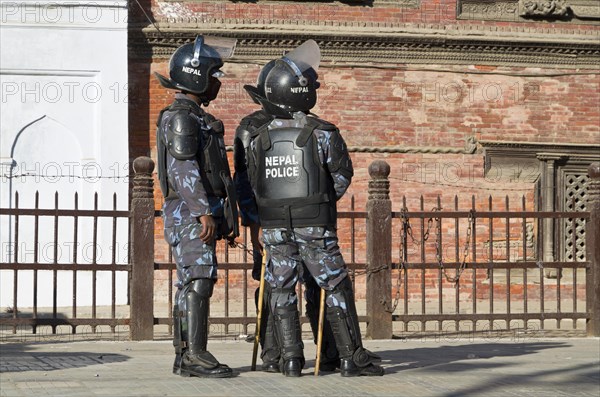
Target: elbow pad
340,158
240,147
183,138
246,131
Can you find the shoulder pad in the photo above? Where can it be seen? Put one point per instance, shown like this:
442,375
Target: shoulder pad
217,126
243,136
241,142
320,124
313,123
250,125
182,136
209,118
213,123
255,120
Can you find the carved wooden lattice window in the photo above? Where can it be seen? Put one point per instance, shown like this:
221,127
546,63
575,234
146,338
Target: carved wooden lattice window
561,186
574,229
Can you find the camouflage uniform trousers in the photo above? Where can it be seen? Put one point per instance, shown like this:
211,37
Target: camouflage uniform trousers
315,247
194,259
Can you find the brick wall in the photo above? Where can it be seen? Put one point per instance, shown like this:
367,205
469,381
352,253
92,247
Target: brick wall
378,108
417,12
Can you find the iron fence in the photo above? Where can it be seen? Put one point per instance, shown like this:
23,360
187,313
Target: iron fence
478,267
28,253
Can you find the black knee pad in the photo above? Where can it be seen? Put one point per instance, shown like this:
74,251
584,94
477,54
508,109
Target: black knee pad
345,291
203,287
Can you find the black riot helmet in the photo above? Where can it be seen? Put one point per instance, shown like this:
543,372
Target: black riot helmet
292,82
258,93
194,67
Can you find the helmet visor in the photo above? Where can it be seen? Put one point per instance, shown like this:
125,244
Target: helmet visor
305,56
218,47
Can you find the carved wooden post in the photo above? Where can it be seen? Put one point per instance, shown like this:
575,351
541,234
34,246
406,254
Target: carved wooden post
592,244
548,204
142,251
379,252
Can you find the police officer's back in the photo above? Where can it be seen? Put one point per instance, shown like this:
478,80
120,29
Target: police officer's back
299,167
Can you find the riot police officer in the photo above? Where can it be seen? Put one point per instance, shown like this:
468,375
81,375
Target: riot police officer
195,180
249,215
299,167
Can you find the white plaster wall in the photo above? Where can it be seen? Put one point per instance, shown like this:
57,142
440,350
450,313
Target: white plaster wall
63,124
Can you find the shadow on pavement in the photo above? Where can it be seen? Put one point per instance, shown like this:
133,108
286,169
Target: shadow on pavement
446,358
466,358
15,357
404,359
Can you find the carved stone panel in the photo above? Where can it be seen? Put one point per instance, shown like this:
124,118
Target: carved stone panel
357,44
565,11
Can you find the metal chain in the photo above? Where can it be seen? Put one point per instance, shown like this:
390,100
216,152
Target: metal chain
463,263
402,269
242,246
371,271
401,272
409,227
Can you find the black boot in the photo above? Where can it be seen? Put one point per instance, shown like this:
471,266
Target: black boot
197,361
355,360
361,364
289,338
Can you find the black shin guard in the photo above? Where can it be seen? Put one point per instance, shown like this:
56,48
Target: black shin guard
197,316
344,324
197,361
354,359
270,348
177,343
330,359
268,341
289,338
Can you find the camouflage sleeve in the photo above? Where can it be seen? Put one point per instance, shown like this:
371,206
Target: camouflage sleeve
337,159
187,182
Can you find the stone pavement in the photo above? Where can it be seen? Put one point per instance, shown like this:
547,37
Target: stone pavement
424,367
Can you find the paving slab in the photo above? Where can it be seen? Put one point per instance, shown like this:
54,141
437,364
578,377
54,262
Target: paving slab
445,367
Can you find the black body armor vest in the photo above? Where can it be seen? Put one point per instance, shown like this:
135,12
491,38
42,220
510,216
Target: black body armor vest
291,186
211,158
